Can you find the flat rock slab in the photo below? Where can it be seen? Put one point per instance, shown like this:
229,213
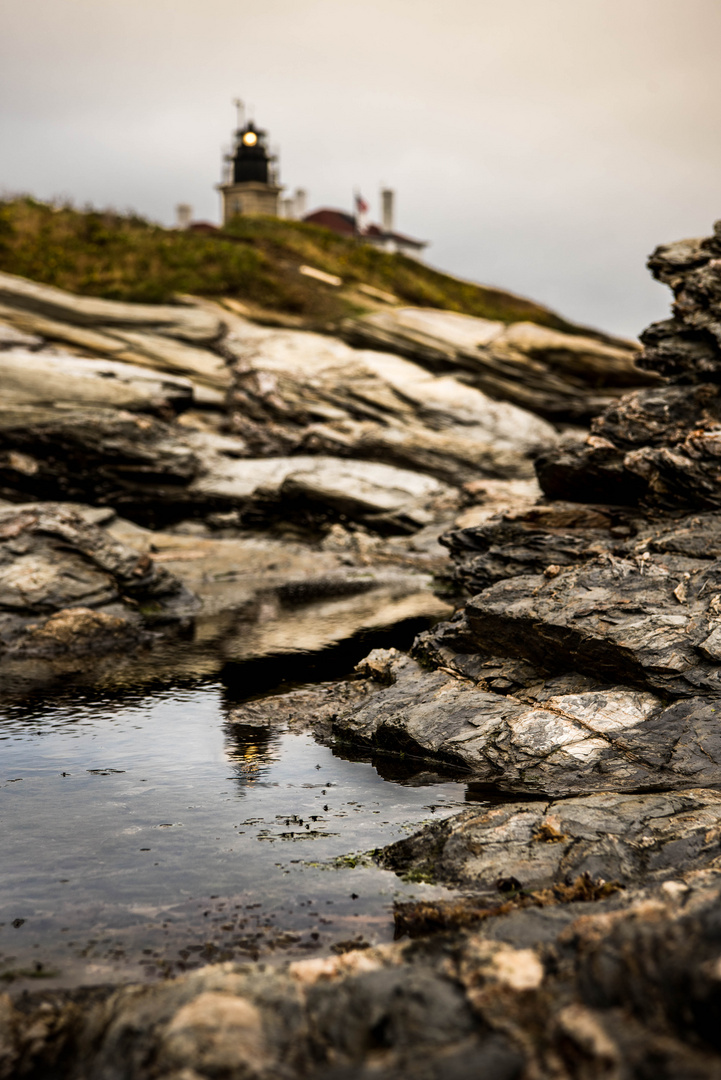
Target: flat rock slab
183,321
629,839
557,375
548,740
60,379
383,496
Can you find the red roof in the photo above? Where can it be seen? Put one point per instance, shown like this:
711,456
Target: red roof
202,227
345,224
335,220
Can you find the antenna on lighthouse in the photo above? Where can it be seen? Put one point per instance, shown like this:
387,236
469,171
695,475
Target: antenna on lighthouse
241,112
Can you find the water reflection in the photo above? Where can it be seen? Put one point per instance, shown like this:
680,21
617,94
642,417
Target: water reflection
143,833
252,750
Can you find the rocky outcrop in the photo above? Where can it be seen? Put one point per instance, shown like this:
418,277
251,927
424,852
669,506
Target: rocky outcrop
557,675
297,392
67,587
317,432
563,377
97,456
156,473
509,726
305,487
630,840
59,379
587,656
185,322
583,674
660,447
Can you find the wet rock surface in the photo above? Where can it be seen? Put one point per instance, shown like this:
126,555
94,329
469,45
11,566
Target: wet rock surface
552,735
587,655
607,992
630,840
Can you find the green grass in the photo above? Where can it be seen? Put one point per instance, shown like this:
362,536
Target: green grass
254,260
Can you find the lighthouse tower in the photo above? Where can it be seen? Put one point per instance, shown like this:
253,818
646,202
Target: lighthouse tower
250,187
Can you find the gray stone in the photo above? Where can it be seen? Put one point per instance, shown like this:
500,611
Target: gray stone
660,447
299,392
631,839
89,592
614,989
560,376
59,379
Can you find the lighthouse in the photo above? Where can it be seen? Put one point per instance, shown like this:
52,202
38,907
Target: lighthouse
250,186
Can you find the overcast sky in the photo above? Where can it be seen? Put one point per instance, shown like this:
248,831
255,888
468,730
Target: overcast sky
545,146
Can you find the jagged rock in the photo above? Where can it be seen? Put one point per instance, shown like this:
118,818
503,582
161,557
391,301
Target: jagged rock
615,596
62,380
629,839
556,375
657,447
91,592
530,540
660,448
299,392
105,456
550,735
157,473
566,596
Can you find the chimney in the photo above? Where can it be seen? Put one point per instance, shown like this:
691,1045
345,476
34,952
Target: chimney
387,200
183,215
300,200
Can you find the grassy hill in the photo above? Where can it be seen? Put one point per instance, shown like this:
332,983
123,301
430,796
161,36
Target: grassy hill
254,260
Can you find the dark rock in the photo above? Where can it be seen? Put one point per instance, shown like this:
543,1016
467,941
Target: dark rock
594,470
629,839
660,447
102,456
564,735
91,593
158,473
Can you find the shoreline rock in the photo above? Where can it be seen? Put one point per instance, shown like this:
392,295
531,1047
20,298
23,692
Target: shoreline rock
564,378
91,594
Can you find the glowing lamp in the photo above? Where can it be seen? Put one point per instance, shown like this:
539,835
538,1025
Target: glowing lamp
250,138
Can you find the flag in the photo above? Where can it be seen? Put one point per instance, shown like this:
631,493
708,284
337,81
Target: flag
361,205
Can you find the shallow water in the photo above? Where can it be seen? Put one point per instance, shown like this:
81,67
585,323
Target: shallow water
143,834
